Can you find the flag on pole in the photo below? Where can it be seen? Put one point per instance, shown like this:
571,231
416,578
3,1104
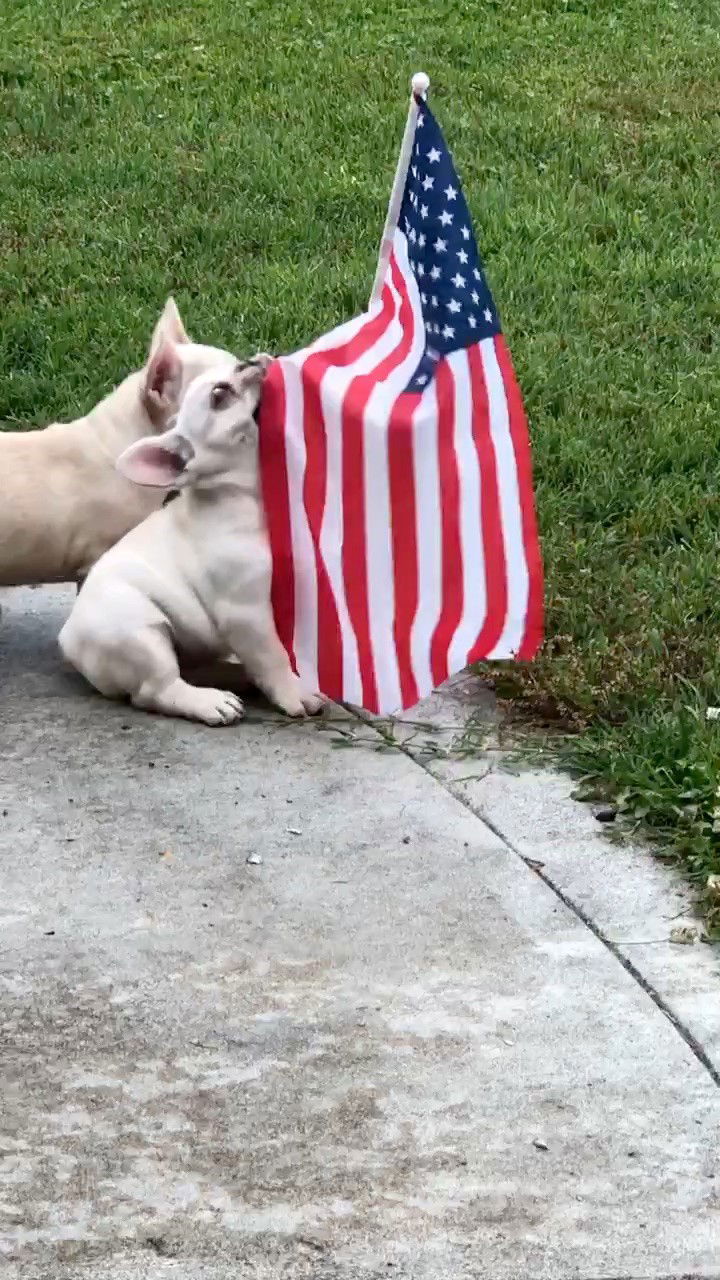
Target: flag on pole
395,465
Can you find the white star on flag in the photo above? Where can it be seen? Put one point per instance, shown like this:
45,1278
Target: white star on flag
451,193
434,155
487,314
462,256
472,322
448,331
446,218
465,232
435,272
453,305
458,281
424,211
440,246
475,296
428,183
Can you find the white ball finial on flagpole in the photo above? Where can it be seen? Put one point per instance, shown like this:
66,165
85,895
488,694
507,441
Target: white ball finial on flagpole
420,83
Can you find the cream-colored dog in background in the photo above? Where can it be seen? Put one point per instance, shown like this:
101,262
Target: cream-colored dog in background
193,580
62,501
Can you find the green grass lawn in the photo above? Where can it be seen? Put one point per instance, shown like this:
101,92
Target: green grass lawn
240,154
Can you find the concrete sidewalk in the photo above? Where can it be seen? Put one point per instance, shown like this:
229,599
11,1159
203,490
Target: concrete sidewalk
270,1008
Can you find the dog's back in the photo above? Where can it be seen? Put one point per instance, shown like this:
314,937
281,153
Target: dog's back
62,502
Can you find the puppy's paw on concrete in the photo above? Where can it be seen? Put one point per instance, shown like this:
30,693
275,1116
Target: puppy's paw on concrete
313,703
217,707
295,700
209,706
292,707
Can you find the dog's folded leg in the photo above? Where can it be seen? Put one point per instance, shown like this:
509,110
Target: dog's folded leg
158,685
140,663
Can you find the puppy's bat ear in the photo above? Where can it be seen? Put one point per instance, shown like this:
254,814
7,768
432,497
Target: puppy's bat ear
156,463
162,383
169,327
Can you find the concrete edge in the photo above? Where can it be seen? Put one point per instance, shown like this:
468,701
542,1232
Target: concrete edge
636,905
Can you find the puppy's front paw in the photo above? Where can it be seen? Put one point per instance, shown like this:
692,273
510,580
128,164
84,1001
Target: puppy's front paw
291,707
217,707
313,703
295,700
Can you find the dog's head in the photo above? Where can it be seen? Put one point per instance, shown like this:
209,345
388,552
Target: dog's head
173,362
215,434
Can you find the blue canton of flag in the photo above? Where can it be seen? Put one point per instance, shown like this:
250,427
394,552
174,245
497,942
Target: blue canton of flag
457,306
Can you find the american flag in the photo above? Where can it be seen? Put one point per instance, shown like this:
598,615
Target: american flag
396,469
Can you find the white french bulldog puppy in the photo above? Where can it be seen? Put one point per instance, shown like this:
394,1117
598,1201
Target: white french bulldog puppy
62,501
192,582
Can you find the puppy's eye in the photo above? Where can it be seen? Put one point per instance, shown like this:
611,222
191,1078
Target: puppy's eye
221,394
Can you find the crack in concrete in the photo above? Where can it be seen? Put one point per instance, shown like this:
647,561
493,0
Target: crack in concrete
613,947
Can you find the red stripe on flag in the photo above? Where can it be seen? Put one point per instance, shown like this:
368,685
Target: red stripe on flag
404,542
533,634
451,545
329,647
492,532
274,479
354,508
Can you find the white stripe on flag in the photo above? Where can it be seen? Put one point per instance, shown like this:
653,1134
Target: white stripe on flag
510,507
427,533
379,517
335,384
471,540
305,632
336,338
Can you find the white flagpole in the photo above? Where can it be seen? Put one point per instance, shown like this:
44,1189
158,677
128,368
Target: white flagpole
419,86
